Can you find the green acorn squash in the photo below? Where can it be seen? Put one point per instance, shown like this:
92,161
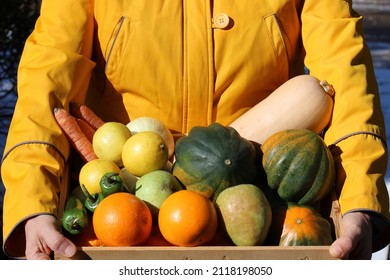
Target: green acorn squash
213,158
298,165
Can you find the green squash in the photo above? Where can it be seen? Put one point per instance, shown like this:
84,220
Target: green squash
213,158
298,165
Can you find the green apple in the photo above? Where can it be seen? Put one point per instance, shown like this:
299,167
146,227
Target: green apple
154,187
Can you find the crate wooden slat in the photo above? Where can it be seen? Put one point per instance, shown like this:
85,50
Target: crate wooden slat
203,253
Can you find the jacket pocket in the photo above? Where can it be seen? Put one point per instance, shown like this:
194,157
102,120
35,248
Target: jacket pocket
280,44
116,46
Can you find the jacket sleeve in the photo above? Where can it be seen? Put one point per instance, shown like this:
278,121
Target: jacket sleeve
55,68
336,51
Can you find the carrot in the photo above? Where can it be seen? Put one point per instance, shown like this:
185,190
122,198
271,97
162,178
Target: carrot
85,113
74,134
88,130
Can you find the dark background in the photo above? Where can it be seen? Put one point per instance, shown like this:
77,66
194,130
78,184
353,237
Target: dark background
17,18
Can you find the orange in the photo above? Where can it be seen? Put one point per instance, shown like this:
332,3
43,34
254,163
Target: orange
187,218
156,238
86,238
122,219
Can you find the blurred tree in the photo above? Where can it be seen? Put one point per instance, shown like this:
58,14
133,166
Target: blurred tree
17,21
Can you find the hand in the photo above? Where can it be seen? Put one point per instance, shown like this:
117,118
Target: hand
355,241
43,238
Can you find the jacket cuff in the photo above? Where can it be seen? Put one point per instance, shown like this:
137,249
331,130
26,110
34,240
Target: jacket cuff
32,175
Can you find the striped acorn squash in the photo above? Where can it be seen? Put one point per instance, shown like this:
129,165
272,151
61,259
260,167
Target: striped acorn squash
298,165
298,225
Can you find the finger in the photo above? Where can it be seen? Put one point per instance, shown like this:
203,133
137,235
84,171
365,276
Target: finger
341,247
345,244
43,238
362,252
36,248
355,241
363,249
37,255
59,243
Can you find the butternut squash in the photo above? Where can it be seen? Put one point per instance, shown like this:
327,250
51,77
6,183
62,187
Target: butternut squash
303,102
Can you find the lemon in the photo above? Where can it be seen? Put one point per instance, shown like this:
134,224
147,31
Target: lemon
92,171
108,141
152,124
144,152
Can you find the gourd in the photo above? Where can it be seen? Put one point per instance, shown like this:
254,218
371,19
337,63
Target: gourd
302,102
298,225
213,158
298,165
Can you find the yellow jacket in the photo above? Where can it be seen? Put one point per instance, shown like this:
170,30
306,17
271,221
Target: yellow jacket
171,60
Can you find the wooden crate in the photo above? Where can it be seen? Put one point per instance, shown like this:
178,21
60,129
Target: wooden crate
203,253
208,252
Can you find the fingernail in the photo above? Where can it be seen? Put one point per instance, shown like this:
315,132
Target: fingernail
70,251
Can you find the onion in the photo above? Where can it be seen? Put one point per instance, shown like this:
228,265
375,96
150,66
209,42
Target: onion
155,125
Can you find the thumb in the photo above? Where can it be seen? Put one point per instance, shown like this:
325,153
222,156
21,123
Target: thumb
356,237
341,248
60,244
